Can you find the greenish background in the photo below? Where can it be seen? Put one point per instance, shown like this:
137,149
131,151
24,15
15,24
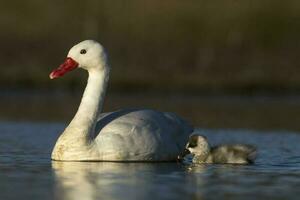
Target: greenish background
225,63
194,45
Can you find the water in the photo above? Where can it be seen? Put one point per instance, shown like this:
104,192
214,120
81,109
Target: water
26,171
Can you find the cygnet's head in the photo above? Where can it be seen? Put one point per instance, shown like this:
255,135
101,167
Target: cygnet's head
88,54
198,144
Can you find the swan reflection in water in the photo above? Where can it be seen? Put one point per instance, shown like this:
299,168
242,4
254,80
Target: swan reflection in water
111,180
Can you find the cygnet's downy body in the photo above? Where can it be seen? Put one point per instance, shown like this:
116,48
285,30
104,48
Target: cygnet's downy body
199,147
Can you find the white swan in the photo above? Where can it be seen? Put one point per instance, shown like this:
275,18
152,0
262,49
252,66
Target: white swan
125,135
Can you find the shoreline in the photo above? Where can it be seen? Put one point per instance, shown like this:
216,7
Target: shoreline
264,112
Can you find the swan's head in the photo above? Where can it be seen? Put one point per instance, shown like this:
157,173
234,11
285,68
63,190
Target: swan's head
88,54
197,145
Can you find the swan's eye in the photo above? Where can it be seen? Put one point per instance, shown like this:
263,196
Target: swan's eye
82,51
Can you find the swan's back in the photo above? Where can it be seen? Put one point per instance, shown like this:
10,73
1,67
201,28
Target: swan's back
140,135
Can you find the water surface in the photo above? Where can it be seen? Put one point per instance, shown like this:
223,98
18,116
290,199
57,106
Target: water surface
26,171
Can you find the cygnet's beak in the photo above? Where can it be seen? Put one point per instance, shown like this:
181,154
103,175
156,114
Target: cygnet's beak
183,154
67,66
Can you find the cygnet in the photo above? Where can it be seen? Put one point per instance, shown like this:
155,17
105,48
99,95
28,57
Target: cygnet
202,152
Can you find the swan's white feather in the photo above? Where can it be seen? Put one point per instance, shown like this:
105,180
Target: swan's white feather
136,135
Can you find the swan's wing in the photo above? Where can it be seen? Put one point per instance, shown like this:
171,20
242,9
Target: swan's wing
181,129
142,133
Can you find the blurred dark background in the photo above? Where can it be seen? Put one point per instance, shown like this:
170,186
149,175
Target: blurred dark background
227,63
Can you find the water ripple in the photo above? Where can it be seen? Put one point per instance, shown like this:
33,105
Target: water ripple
25,167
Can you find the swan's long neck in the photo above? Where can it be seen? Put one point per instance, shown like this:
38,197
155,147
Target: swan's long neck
84,122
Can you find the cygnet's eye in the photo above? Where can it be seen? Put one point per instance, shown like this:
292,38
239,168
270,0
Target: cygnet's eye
192,144
82,51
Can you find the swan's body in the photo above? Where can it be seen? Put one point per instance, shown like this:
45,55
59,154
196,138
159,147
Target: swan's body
125,135
199,147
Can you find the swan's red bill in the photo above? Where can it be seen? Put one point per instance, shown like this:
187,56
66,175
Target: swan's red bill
67,66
